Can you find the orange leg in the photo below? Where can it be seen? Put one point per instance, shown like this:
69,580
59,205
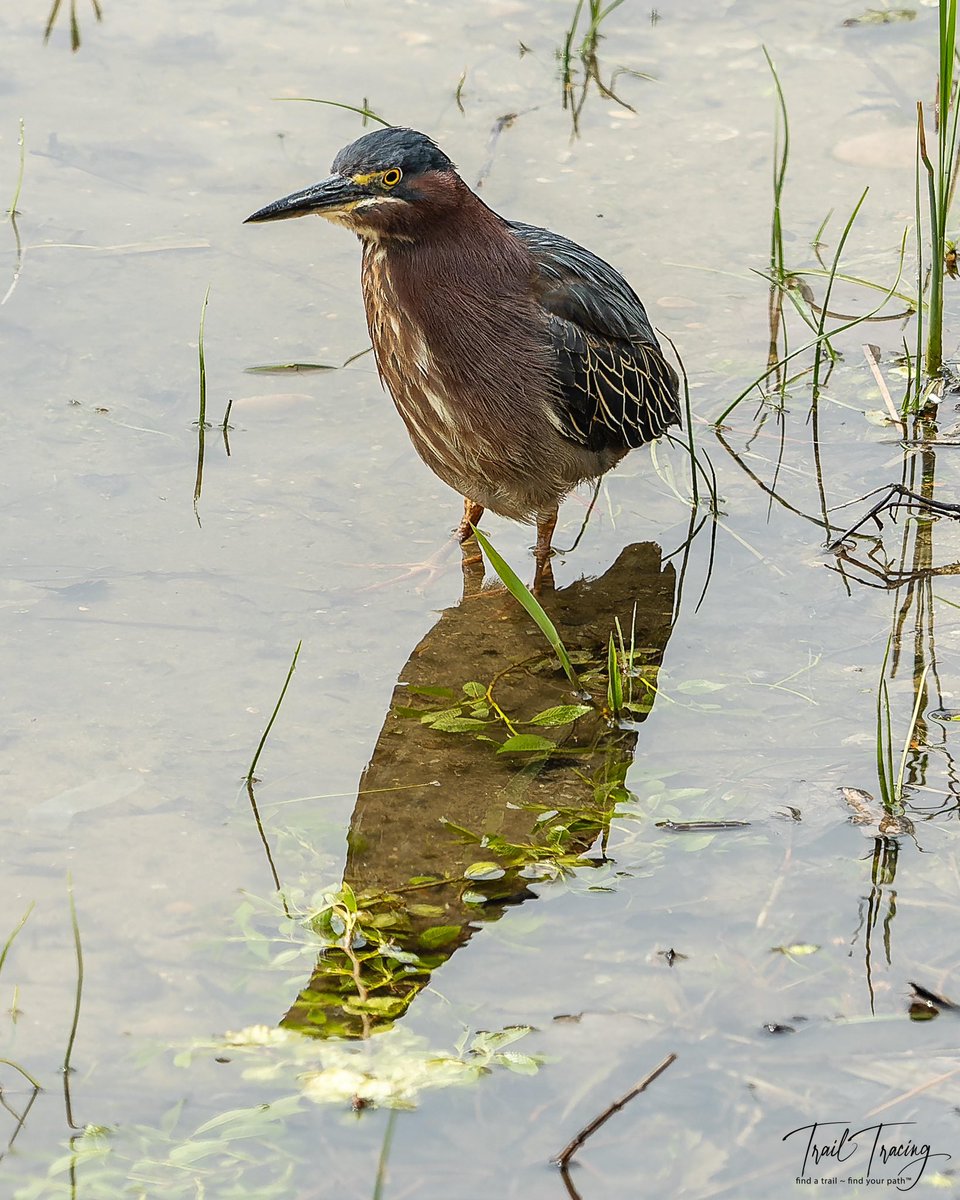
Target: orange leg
472,512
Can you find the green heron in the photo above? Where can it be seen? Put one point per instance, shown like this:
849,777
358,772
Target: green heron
521,364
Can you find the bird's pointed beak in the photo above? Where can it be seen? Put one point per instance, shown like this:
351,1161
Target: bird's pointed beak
338,193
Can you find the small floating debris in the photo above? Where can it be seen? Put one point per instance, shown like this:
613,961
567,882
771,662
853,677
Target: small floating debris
926,1005
288,367
868,812
700,826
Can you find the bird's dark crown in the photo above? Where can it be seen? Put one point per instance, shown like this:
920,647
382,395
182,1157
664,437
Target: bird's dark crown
407,150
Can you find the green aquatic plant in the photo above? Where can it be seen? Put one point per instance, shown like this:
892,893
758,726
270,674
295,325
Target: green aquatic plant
891,779
781,156
78,997
788,282
391,1071
822,336
880,16
363,110
16,929
74,21
273,716
201,421
585,24
478,712
12,211
842,328
941,180
528,601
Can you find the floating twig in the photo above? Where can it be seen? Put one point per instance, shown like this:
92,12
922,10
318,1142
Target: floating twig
563,1158
897,496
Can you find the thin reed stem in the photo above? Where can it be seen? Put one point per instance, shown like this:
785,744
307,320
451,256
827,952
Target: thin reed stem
273,716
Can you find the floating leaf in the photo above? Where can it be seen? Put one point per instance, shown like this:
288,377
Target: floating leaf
439,935
525,743
446,722
381,920
562,714
407,957
797,950
520,1064
485,1041
484,870
877,416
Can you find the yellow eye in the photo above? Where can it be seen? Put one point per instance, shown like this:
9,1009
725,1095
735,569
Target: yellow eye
392,177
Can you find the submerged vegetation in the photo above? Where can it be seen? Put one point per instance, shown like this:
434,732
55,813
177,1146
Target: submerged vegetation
580,62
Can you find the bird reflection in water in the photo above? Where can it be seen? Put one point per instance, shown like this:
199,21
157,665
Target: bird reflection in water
423,882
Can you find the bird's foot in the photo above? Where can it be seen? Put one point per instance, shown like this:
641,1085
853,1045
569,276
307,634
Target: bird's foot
425,572
429,569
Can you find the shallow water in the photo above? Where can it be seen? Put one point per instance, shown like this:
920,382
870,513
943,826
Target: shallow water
145,645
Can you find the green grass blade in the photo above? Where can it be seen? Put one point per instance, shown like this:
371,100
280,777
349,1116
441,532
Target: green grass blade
366,113
911,729
78,996
885,776
891,291
614,681
203,369
528,601
9,942
273,716
21,142
821,326
781,154
935,303
380,1183
885,784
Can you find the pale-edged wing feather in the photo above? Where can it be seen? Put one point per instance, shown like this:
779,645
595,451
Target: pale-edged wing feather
616,389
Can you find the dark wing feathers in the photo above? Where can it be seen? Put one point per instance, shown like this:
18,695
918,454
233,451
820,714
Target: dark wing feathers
617,389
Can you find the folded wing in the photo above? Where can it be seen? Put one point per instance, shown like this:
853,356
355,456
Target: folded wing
616,390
